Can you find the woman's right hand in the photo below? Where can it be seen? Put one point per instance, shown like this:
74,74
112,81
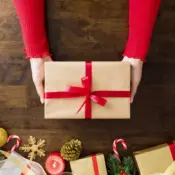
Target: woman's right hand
37,68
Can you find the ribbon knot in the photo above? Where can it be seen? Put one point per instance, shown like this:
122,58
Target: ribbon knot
86,91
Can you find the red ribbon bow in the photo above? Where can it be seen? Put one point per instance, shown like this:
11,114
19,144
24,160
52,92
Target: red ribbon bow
86,90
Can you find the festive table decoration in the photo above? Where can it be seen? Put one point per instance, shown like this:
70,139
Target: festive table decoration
71,150
18,140
11,137
156,159
118,165
92,165
124,167
90,90
3,137
55,164
35,148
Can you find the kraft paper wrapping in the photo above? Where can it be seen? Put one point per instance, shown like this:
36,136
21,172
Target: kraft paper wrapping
85,166
154,160
105,76
170,170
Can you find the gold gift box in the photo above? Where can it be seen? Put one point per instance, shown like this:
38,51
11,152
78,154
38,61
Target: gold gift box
154,160
85,166
111,76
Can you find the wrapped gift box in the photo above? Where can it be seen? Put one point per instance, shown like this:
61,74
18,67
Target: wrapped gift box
92,165
102,89
170,170
156,159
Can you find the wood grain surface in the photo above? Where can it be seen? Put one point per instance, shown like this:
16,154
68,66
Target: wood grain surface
89,30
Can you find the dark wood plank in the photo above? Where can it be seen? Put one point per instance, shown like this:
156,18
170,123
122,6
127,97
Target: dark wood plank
13,96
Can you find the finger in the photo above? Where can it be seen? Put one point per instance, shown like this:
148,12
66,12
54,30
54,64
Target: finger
40,91
48,58
135,80
134,87
136,74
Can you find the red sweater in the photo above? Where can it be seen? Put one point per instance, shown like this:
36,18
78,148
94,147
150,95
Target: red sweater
142,16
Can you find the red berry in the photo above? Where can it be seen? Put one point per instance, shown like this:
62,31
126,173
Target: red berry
122,172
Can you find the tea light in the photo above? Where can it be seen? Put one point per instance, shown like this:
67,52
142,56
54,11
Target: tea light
55,164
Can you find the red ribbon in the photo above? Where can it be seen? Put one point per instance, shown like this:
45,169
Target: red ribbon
86,91
95,165
172,149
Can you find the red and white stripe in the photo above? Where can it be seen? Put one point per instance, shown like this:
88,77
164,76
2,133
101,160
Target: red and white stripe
115,146
18,140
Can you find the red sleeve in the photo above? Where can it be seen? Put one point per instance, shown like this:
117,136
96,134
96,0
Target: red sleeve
31,17
142,16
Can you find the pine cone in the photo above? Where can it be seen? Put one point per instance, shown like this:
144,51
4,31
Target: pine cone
71,150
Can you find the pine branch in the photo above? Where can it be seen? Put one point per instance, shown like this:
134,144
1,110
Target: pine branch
112,164
127,165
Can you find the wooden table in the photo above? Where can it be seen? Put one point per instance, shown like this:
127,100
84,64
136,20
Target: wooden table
93,30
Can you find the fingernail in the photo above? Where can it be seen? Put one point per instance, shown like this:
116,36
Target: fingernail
42,101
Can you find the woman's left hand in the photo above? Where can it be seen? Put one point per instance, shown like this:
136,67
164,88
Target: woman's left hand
136,74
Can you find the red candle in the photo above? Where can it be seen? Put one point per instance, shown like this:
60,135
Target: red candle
55,164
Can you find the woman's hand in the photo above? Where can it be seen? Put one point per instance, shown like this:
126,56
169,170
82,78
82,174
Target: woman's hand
136,74
37,68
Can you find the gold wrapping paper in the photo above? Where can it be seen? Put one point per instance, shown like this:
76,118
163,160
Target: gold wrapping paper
154,160
85,166
105,76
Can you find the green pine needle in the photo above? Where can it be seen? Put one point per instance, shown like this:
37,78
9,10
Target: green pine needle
115,166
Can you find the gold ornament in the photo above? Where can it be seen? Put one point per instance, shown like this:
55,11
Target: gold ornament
71,150
35,148
3,137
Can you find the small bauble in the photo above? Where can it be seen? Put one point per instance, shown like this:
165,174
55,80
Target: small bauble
3,137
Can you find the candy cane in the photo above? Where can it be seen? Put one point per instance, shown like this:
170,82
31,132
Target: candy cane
18,140
115,146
